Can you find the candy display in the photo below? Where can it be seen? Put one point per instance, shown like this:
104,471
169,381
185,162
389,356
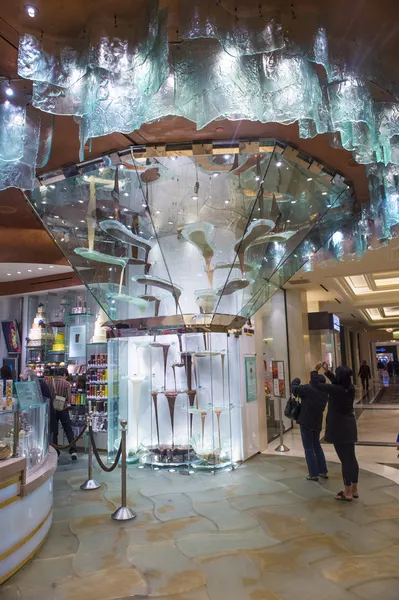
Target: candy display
59,343
100,334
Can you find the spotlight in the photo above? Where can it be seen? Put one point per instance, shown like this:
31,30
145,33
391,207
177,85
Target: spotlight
29,270
215,174
9,274
18,272
31,10
278,164
9,91
82,221
40,268
51,266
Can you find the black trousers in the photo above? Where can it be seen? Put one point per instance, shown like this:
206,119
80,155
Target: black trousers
350,467
365,383
63,416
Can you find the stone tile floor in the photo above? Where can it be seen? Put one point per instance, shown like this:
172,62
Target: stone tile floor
261,532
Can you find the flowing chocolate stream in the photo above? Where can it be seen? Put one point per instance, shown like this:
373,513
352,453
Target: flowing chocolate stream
191,398
187,359
171,398
174,372
165,349
155,399
218,412
203,417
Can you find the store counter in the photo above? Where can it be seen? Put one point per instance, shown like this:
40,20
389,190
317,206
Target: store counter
26,486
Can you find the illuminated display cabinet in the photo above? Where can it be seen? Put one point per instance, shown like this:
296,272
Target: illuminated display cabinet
180,251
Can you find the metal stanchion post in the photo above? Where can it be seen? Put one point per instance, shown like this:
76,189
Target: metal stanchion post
123,513
15,444
90,483
281,447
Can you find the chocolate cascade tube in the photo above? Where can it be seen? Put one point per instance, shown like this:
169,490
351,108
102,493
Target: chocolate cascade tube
174,372
171,398
155,400
187,360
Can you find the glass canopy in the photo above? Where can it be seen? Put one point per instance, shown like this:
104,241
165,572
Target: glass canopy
191,239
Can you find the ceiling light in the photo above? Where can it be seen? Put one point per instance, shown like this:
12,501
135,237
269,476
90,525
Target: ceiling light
288,221
121,167
309,179
56,217
324,193
126,194
293,201
215,174
110,269
101,169
82,221
18,272
80,201
257,178
194,197
170,222
157,212
51,266
226,201
52,186
85,177
44,202
62,239
144,204
29,270
125,210
9,274
31,10
111,217
76,227
140,232
9,91
227,156
40,268
279,163
173,157
328,205
42,188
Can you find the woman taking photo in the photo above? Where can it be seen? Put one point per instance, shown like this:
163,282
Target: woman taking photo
341,428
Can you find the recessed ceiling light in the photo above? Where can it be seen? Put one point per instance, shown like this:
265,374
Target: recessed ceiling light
257,178
31,10
324,193
227,156
82,221
56,217
111,217
310,179
170,222
40,268
80,201
122,167
110,268
18,272
76,227
9,274
328,205
29,270
157,212
9,91
194,197
126,194
288,221
51,266
44,202
226,201
52,186
85,177
62,239
173,157
144,204
215,174
278,164
125,209
140,232
293,201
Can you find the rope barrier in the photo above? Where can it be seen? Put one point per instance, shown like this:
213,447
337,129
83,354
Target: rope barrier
73,443
98,458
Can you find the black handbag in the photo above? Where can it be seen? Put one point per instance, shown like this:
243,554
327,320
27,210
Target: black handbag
292,408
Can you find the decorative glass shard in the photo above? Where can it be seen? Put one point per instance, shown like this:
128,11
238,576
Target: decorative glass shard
140,302
120,232
175,290
101,257
58,62
12,127
21,173
237,35
234,285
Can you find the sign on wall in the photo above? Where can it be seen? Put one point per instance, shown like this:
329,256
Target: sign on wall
77,341
278,378
250,379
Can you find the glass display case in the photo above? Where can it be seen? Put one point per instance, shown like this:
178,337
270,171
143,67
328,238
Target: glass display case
180,393
25,433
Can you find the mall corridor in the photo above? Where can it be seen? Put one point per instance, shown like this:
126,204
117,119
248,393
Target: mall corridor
261,532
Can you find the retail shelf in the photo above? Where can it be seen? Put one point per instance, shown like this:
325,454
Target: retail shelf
96,344
81,315
99,382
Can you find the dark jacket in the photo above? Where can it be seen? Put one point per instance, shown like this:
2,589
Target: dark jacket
341,423
52,417
364,372
313,402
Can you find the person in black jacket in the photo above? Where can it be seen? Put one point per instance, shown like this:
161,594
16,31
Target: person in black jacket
313,403
365,375
341,428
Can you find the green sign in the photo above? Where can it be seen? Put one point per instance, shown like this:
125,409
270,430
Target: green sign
250,379
28,393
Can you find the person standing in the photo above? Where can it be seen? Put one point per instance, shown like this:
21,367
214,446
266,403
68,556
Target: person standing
313,403
341,428
62,394
365,375
390,368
